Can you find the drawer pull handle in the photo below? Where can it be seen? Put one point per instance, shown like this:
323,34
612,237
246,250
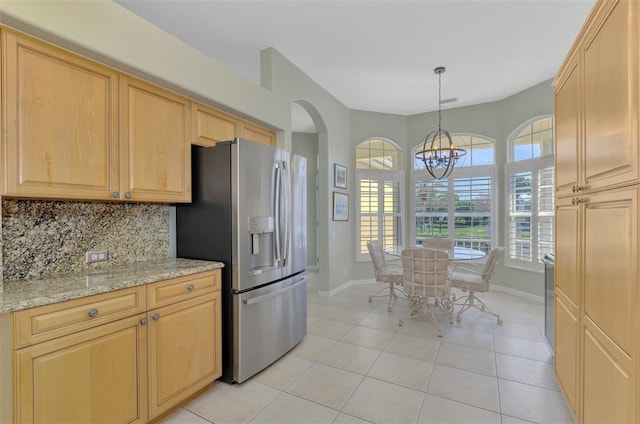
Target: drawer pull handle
191,287
143,321
93,313
155,316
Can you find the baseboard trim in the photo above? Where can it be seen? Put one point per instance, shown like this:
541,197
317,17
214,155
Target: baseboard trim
344,286
519,293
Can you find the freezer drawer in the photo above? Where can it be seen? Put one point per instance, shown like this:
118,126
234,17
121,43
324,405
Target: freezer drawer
268,322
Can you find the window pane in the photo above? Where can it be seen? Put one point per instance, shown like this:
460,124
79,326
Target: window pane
472,225
520,238
522,148
392,197
472,194
377,153
533,141
368,231
520,193
431,196
432,226
546,211
391,231
368,196
480,151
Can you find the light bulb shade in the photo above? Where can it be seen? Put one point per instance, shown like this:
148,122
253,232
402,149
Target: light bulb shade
439,154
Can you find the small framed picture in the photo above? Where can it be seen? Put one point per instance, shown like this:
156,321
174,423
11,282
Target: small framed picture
340,206
339,176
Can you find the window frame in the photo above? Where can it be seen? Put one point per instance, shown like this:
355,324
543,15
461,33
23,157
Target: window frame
490,171
533,165
381,176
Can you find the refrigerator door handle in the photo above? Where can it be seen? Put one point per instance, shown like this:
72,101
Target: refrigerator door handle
287,213
271,295
277,212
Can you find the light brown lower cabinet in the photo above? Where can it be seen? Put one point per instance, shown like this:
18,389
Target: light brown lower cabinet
127,370
183,350
95,375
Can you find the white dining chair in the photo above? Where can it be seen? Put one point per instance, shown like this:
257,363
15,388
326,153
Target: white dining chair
388,273
472,281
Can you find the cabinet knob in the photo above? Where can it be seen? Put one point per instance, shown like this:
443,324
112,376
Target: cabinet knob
127,195
93,313
574,188
191,287
580,188
143,321
155,316
116,194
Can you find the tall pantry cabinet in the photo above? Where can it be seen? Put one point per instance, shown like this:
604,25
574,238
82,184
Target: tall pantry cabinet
597,295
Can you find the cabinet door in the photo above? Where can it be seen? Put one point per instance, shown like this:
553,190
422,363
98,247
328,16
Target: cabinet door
566,343
185,350
156,150
211,126
567,242
258,134
61,123
609,381
610,274
96,375
611,147
567,129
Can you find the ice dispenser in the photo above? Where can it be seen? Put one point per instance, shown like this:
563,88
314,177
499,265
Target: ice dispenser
262,245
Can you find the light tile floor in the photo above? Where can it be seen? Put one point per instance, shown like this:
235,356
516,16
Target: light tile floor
356,365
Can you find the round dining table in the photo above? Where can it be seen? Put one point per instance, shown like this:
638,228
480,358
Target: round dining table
458,253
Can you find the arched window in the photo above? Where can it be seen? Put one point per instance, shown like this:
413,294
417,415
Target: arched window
378,153
461,207
530,177
378,194
480,150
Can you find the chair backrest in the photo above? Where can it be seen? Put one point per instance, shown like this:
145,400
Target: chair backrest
437,243
425,269
490,264
377,254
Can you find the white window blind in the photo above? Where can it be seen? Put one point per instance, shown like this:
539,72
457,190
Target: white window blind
379,216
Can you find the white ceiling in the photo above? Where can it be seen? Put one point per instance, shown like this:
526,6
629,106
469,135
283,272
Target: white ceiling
378,55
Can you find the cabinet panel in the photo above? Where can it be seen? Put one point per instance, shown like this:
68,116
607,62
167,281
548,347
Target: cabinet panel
258,134
96,375
211,126
61,123
609,386
183,288
155,135
185,356
47,322
611,153
610,264
566,249
566,345
567,129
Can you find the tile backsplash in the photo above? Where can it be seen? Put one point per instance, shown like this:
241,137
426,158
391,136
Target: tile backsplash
50,237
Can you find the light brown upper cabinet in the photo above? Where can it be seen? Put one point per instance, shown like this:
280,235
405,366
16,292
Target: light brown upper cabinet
60,123
211,126
258,134
155,156
597,103
65,139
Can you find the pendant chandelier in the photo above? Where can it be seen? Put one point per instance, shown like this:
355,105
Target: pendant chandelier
438,152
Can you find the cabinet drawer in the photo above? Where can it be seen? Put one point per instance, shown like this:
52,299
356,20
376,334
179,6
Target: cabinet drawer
175,290
47,322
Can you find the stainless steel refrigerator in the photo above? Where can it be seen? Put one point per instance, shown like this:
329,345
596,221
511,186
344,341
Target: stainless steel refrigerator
249,212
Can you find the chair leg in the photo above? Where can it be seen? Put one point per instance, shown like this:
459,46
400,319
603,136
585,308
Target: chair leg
418,303
471,301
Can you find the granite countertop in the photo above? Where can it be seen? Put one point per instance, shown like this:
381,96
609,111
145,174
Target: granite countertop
29,293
